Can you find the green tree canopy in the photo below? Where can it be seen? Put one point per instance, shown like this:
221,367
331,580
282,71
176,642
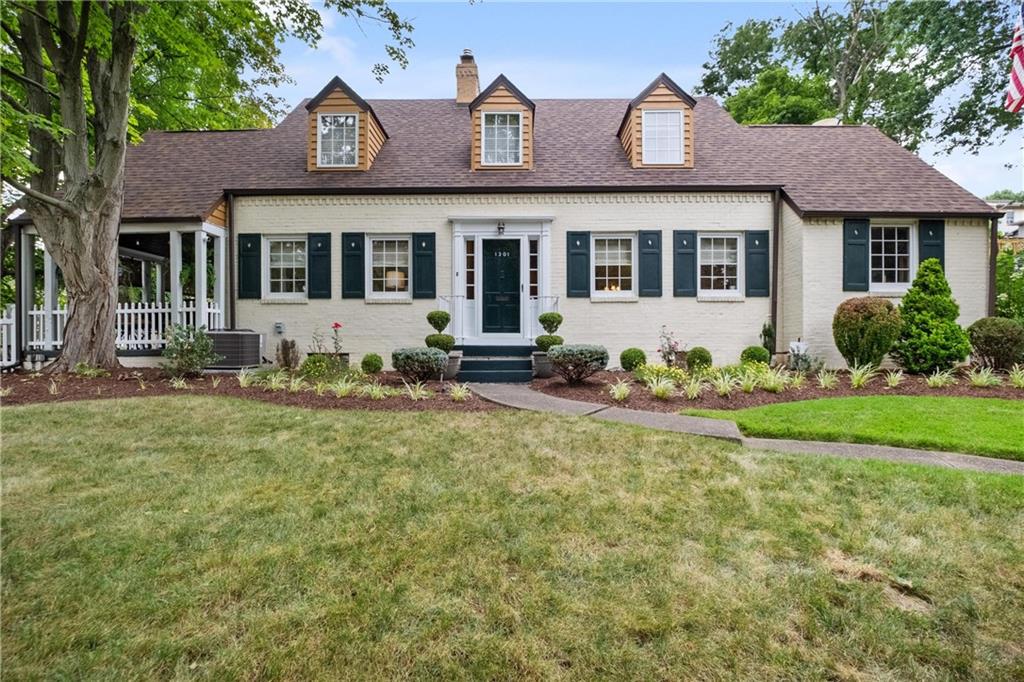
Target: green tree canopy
1006,195
777,96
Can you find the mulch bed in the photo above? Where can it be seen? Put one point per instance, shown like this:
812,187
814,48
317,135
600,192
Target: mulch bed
128,383
595,390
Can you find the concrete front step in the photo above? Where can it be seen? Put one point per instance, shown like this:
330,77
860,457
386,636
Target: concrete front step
496,376
496,351
496,363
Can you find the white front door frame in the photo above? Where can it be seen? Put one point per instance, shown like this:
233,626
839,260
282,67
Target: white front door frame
468,315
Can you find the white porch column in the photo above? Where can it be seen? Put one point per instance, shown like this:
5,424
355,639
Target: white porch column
27,285
144,268
200,278
159,284
220,272
174,276
49,300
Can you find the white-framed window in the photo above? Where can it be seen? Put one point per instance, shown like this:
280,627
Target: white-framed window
719,265
284,272
389,266
337,140
614,266
892,256
502,139
663,136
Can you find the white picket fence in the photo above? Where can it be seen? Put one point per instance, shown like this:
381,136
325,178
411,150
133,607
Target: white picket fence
8,349
140,326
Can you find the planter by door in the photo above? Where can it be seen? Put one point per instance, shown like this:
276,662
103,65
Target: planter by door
542,367
454,363
501,286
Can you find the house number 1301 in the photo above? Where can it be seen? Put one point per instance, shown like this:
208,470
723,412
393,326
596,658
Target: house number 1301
502,254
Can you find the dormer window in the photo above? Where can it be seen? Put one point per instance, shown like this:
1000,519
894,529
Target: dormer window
503,140
338,140
663,136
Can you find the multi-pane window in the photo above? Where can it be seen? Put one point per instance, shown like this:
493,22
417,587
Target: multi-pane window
338,140
613,266
470,269
719,264
534,267
389,267
287,267
502,140
663,136
890,255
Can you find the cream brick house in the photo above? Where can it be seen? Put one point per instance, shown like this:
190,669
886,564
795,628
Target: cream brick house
625,216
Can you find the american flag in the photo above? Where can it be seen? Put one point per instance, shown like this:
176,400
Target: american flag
1015,92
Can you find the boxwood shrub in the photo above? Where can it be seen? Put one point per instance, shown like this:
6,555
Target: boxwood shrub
550,321
419,364
546,341
372,363
864,329
755,354
998,342
443,342
631,358
698,359
438,319
576,362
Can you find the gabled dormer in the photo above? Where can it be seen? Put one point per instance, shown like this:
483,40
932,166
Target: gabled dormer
657,129
344,133
502,128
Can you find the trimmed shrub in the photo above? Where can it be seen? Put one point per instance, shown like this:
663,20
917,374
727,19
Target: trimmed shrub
930,339
187,351
865,328
698,358
320,366
998,342
576,362
546,341
419,364
646,374
550,321
371,363
443,342
631,358
755,354
287,355
438,319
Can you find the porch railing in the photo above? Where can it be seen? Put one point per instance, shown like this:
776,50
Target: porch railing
461,310
140,326
8,348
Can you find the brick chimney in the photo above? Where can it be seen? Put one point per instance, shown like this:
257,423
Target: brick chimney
467,83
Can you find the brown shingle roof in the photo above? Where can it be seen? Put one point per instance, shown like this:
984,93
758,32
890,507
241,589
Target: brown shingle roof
834,170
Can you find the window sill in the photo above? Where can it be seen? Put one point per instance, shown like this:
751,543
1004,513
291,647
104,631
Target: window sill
704,298
614,299
284,301
388,301
888,294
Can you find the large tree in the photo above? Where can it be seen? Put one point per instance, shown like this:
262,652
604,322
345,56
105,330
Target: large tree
920,71
83,79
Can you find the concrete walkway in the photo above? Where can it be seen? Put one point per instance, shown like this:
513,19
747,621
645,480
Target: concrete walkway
522,397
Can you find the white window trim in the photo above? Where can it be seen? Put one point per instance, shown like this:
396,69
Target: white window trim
719,294
319,137
483,137
893,288
265,284
612,295
682,138
385,295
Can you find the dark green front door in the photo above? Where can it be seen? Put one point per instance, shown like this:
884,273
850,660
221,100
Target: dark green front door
501,286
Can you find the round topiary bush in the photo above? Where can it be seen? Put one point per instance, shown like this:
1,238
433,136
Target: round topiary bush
865,328
631,358
550,322
439,319
998,342
930,339
698,359
443,342
544,342
419,364
576,362
755,354
372,363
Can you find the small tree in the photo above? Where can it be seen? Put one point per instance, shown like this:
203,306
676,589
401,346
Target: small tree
864,329
930,338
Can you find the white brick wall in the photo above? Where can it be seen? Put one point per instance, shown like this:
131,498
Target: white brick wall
791,282
725,328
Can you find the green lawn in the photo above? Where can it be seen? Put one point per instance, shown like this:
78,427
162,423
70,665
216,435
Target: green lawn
983,426
188,537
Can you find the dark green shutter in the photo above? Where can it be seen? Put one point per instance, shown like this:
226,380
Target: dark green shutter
650,262
577,266
353,265
757,263
250,266
318,273
424,275
856,254
684,263
931,239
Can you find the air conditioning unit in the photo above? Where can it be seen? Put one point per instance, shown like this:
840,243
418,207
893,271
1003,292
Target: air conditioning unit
237,347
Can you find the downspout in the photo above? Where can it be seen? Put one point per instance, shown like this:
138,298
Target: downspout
776,221
232,265
993,254
19,297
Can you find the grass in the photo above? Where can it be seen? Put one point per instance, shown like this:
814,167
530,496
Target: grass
208,538
983,426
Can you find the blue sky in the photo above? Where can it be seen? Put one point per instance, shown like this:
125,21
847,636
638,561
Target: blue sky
568,50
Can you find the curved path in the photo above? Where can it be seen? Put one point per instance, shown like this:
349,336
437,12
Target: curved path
522,397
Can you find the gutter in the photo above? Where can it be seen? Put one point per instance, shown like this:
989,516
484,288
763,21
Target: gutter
499,189
776,239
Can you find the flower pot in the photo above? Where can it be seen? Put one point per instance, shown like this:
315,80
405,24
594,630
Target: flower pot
454,363
542,368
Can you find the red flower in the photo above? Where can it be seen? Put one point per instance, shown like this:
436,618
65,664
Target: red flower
336,325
